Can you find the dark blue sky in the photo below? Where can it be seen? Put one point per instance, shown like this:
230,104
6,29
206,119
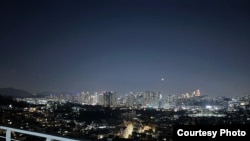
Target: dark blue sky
126,46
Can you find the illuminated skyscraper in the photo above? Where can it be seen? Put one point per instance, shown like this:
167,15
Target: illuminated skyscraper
197,93
100,99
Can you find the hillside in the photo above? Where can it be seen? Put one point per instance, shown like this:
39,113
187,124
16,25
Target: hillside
15,92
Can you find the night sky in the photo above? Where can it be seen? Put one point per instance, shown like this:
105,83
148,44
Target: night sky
126,46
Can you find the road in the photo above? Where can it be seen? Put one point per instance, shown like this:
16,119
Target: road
128,131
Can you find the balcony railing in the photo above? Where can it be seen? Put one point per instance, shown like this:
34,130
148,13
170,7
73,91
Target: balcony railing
8,131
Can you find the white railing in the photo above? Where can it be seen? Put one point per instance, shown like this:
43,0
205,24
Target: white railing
47,137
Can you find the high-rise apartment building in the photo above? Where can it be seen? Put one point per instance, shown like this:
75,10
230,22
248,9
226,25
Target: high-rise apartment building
110,99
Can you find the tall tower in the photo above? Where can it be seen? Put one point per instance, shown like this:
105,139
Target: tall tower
198,93
109,98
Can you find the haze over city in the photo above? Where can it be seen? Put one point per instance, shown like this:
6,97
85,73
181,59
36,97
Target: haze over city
168,46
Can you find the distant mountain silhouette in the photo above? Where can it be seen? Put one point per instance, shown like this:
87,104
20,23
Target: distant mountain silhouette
15,92
49,93
18,93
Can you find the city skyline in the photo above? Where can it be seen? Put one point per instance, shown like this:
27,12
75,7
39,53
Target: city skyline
168,46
